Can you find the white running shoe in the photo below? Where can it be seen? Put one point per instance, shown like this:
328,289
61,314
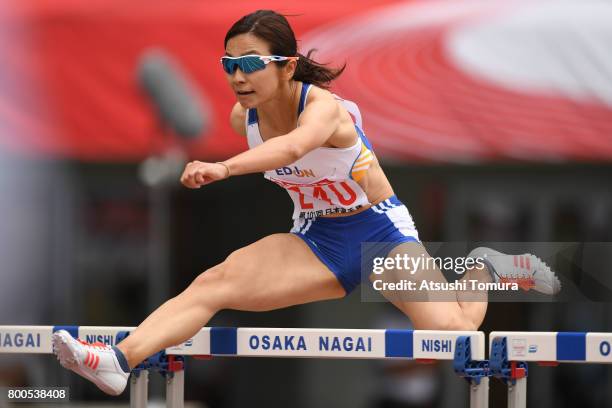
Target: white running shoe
527,270
96,362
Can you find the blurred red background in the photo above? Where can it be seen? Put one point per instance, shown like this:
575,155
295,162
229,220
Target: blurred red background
68,80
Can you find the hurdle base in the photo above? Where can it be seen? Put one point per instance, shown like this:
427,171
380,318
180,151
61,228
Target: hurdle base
139,382
479,393
175,389
517,393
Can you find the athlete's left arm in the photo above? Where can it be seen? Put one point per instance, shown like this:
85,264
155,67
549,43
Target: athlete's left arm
317,123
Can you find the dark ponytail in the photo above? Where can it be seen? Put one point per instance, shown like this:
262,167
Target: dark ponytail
276,31
312,72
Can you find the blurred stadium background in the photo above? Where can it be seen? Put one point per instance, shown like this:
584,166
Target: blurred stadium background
493,121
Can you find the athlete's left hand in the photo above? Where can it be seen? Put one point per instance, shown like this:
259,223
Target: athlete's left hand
198,174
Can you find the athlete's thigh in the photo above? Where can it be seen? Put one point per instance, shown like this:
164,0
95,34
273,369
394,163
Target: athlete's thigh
426,309
277,271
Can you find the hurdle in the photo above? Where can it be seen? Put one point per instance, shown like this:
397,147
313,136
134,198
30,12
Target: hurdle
420,345
510,353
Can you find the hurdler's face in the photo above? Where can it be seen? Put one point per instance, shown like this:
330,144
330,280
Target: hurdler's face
257,87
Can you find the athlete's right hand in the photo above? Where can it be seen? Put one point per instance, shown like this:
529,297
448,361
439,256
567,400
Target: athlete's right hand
198,174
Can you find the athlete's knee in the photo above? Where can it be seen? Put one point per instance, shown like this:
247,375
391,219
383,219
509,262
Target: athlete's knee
447,322
223,281
210,278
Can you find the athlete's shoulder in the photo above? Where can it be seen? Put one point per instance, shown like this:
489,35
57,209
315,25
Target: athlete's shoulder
319,94
238,119
321,100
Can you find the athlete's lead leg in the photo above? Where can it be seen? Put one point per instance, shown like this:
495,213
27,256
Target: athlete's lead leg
275,272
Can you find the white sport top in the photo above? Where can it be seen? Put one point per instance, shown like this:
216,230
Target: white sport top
324,181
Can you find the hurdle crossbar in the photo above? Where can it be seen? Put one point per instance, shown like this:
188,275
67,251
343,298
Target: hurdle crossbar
420,345
549,349
557,347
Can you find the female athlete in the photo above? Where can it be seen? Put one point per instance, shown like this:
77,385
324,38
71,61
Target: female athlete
310,142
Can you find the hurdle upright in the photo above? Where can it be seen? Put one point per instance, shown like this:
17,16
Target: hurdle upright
419,345
512,351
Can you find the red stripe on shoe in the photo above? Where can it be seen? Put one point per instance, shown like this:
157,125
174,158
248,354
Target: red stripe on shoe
86,362
95,365
528,264
522,258
515,261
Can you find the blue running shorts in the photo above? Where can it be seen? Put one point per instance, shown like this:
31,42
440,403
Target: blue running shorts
337,240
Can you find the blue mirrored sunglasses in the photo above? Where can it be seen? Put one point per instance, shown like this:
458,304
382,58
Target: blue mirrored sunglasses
250,63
